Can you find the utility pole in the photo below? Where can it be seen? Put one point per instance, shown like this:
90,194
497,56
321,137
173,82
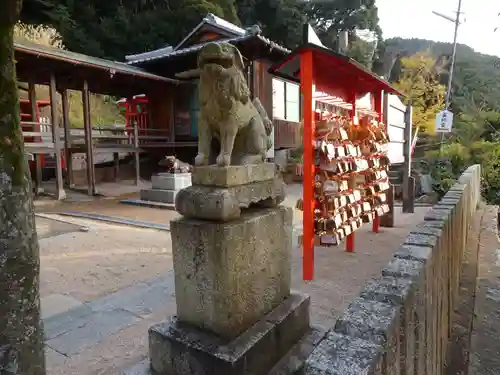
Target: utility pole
453,54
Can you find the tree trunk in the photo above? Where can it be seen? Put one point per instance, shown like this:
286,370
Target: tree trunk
21,331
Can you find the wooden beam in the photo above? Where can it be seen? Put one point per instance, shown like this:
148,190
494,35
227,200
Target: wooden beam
387,221
408,181
67,138
87,127
38,157
137,155
171,115
56,138
266,90
116,159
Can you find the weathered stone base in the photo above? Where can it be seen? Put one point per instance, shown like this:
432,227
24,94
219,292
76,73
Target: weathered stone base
165,187
233,175
291,363
228,275
171,181
157,195
179,349
224,204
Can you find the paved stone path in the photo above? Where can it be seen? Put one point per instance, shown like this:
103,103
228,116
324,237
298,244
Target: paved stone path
102,289
485,345
85,325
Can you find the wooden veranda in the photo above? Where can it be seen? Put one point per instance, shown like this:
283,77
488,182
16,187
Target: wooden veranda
62,71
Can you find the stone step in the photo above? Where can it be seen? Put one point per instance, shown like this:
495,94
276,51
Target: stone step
159,195
294,360
171,181
174,346
290,364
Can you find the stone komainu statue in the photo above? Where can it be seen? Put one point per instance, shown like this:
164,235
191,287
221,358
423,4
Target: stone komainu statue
174,165
227,111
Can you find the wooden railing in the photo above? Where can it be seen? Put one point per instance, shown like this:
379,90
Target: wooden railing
102,136
286,134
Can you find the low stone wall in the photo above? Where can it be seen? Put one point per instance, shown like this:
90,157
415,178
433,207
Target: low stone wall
401,322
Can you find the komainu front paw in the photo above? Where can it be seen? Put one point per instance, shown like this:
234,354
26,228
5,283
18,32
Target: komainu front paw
223,160
200,159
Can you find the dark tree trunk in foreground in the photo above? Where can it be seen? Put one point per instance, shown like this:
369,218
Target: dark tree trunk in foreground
21,332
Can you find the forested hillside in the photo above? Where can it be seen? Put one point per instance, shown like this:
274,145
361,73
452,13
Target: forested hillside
476,79
475,139
115,28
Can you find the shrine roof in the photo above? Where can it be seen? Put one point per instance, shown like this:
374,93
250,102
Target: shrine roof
334,73
37,62
251,45
211,21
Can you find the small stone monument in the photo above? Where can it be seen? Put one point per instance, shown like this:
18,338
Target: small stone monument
232,247
165,186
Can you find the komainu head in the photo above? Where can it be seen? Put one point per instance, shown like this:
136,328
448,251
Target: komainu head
219,57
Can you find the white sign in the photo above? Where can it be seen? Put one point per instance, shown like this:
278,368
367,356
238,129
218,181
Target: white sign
444,121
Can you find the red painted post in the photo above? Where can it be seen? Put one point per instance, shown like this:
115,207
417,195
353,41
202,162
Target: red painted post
376,224
307,87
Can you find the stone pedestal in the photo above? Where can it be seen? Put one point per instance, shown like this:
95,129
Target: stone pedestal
177,348
165,187
228,275
232,264
219,193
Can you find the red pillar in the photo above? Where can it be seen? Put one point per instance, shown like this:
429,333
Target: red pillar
307,87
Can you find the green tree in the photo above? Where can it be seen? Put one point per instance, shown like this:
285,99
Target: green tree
476,76
362,51
21,332
228,8
419,81
115,28
280,20
330,17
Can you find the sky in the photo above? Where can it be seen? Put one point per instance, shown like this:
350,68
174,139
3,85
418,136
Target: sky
414,19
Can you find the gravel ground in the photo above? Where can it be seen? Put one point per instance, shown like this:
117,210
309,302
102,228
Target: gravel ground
88,265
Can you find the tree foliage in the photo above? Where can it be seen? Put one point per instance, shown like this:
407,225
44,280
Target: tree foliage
330,17
476,76
475,101
419,81
115,28
280,20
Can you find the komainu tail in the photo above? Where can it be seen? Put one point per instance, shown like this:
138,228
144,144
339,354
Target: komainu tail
268,124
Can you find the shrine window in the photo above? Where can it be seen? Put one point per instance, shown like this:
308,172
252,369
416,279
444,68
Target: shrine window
286,100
